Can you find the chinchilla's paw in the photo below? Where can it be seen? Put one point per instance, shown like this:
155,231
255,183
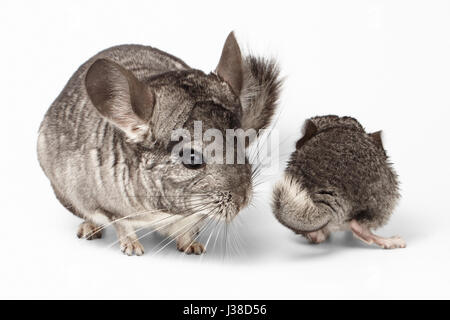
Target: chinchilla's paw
89,231
191,248
131,247
392,243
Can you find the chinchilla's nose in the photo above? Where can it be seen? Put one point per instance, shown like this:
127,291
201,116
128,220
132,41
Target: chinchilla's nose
242,191
240,198
238,185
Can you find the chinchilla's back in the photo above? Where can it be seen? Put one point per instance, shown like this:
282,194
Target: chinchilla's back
69,124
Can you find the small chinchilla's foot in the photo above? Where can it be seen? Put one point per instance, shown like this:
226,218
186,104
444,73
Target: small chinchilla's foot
131,247
391,243
318,236
364,234
191,247
89,231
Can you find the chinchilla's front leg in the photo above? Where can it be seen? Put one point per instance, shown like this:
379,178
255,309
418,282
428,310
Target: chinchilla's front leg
129,243
185,231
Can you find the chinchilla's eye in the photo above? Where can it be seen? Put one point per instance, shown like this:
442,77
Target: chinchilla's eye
192,159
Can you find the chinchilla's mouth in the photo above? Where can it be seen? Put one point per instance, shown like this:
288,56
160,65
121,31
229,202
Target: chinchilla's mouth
227,214
223,205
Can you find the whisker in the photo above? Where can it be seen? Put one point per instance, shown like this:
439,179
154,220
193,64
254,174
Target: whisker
127,217
154,222
168,224
226,240
235,240
112,222
192,225
219,230
172,236
204,227
212,231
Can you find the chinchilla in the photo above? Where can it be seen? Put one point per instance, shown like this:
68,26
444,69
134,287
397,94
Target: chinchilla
106,141
339,177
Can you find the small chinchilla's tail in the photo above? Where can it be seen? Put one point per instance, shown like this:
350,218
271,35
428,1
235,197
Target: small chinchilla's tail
261,91
294,208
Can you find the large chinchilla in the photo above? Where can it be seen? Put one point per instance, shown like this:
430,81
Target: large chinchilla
106,146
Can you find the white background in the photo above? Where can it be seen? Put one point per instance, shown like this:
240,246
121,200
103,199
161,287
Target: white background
386,63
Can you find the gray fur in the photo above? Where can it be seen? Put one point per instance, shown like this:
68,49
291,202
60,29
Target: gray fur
262,86
105,145
337,173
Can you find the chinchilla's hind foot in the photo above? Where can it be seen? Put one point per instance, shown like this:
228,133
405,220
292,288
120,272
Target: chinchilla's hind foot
364,234
89,231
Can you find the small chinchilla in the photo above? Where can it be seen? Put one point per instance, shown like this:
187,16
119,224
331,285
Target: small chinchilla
338,178
106,141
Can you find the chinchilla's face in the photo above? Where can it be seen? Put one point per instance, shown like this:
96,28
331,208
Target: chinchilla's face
195,118
182,125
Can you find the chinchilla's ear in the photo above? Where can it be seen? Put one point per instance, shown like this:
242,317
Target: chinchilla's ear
121,98
260,92
377,138
309,131
230,64
255,80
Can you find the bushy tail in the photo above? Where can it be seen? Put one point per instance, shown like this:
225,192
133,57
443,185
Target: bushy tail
261,91
295,209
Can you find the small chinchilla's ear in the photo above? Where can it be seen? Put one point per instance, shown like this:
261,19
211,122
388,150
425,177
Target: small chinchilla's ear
230,64
121,98
377,138
309,131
